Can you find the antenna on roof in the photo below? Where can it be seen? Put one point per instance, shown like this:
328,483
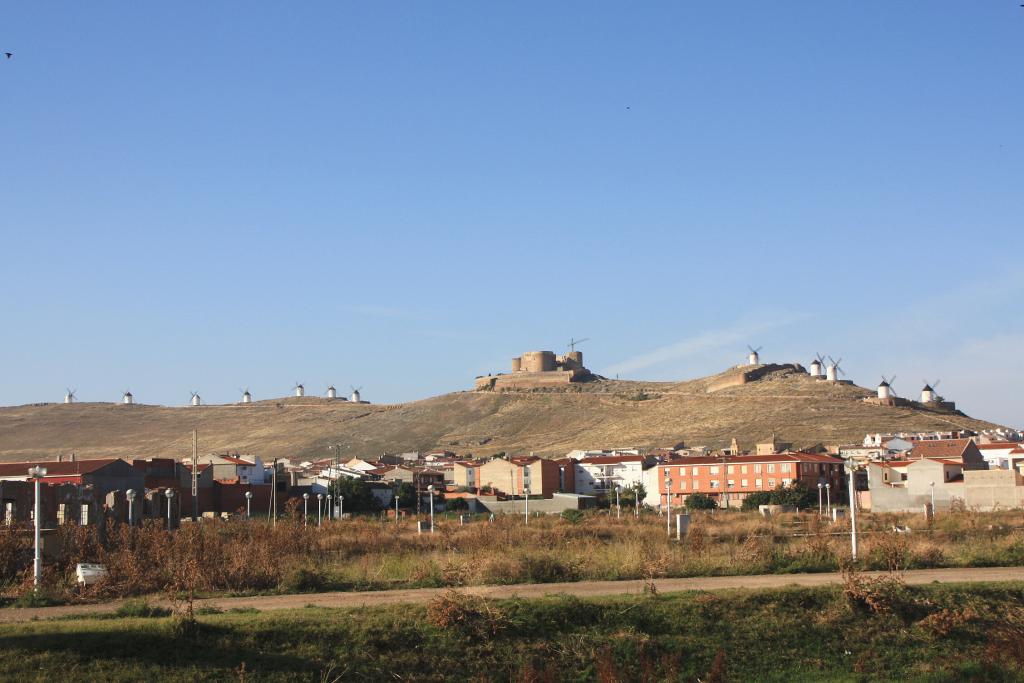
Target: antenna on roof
573,342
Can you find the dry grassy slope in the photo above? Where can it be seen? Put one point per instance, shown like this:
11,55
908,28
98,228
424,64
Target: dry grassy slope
599,414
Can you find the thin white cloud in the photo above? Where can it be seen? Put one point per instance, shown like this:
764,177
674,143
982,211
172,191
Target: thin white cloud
739,332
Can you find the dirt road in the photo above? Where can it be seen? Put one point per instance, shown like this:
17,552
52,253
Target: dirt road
529,590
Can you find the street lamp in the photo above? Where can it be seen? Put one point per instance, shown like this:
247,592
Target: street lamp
853,511
668,501
341,506
248,504
170,494
821,487
430,490
319,515
398,490
828,499
526,490
37,473
636,492
130,495
932,486
305,508
618,507
330,511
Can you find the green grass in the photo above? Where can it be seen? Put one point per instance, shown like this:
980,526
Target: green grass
926,633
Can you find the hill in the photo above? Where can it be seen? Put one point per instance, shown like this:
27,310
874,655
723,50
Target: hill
598,414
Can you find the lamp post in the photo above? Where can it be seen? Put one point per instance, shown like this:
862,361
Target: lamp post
341,506
130,495
932,487
37,473
319,514
398,490
305,509
526,490
169,493
618,507
853,511
330,510
430,490
636,492
248,504
828,499
821,487
668,501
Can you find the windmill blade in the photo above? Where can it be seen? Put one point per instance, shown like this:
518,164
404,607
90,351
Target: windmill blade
936,384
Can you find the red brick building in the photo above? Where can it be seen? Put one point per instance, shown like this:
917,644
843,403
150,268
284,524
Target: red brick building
737,476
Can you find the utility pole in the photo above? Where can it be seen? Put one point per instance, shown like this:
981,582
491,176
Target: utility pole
195,474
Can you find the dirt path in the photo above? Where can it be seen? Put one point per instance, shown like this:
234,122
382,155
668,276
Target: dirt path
528,590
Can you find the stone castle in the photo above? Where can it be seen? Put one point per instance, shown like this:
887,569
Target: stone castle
535,369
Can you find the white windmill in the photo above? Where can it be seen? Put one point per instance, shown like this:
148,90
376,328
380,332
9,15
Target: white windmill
355,394
332,392
928,394
752,357
817,366
196,401
885,389
833,370
300,390
246,396
69,397
127,398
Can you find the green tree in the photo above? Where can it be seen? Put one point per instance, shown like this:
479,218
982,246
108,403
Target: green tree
753,500
358,497
456,504
406,495
700,501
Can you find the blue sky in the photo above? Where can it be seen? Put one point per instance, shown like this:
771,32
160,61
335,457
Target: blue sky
403,195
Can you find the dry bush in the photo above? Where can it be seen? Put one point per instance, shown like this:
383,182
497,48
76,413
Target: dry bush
874,595
469,615
15,551
940,624
1006,638
890,550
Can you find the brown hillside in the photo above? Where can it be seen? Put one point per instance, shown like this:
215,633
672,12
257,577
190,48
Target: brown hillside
551,422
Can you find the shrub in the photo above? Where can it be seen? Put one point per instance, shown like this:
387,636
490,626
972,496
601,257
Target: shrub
700,501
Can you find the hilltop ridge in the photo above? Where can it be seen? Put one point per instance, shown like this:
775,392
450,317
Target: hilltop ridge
548,421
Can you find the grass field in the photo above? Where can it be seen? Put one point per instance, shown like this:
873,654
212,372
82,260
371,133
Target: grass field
240,556
866,631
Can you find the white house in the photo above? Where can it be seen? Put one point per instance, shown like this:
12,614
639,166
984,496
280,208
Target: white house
598,474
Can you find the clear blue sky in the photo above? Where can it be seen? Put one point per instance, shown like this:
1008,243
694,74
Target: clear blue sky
403,195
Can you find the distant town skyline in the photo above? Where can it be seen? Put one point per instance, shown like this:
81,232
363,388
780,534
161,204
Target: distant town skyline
404,196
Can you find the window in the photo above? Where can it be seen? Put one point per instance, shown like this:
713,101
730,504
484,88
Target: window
771,467
757,483
696,471
713,469
743,483
731,469
787,482
730,483
743,470
61,512
682,484
84,519
785,467
714,483
771,483
682,471
757,469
